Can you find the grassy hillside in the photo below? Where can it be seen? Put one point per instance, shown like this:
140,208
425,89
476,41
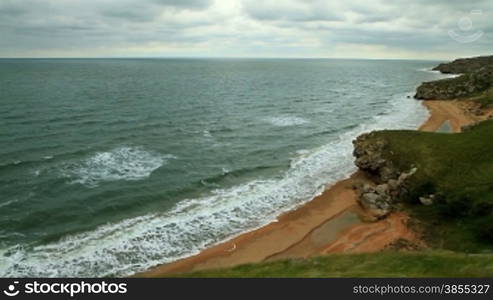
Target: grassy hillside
485,99
458,169
383,264
465,86
464,65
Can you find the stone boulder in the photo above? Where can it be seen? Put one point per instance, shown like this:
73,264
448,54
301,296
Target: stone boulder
378,201
375,204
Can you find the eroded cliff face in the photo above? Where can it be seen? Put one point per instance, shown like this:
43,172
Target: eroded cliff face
369,154
390,182
464,65
467,85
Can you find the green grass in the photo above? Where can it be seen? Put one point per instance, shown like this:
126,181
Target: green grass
382,264
485,99
465,86
451,88
458,168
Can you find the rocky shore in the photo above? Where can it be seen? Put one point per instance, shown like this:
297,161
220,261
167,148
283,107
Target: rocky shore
389,183
476,77
418,169
368,212
464,65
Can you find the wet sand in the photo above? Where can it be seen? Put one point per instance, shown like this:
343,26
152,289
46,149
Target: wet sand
331,223
274,238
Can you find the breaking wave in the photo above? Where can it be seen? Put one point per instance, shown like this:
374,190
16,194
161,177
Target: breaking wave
123,163
135,244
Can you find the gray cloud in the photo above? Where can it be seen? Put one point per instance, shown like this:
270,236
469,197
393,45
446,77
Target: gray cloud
134,14
299,11
190,4
241,28
145,11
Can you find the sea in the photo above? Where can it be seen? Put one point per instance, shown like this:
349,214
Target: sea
111,166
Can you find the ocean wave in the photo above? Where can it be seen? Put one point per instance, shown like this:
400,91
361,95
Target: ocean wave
285,121
218,178
16,163
10,164
207,134
7,203
135,244
438,73
430,70
123,163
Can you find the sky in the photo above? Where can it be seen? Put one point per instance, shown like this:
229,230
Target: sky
376,29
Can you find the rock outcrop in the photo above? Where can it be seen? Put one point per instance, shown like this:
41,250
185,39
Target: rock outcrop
369,157
464,65
376,200
379,199
466,85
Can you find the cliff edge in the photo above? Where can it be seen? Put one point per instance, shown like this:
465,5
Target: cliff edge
476,78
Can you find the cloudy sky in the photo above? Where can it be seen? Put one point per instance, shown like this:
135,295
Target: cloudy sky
434,29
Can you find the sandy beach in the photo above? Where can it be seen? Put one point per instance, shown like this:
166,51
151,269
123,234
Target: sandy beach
453,112
331,223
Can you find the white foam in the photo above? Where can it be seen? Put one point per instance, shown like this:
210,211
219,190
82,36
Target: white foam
122,163
136,244
7,203
300,155
207,134
284,121
439,74
429,69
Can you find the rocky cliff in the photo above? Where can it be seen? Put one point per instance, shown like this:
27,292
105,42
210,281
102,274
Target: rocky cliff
476,78
451,174
390,182
464,65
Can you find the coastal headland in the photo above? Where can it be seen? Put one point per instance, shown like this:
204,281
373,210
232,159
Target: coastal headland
370,211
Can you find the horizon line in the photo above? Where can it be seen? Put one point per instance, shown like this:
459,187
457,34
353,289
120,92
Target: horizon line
216,57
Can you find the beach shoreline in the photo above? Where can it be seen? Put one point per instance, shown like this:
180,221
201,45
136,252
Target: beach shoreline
332,222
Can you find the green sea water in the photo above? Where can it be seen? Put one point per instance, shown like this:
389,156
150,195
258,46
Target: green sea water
111,166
